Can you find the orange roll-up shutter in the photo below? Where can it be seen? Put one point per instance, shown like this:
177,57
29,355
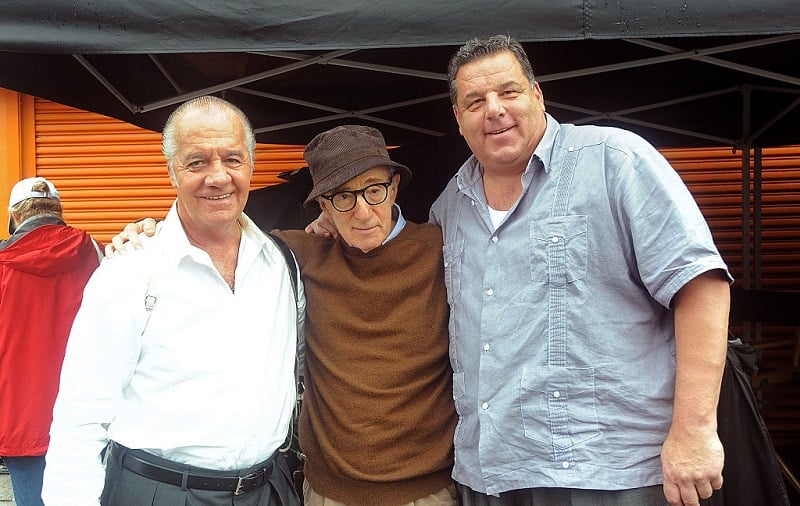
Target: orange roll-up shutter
714,176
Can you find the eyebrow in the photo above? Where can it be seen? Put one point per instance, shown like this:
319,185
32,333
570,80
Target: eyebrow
194,155
502,86
201,155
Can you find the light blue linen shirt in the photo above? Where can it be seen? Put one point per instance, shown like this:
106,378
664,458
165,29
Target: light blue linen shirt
562,340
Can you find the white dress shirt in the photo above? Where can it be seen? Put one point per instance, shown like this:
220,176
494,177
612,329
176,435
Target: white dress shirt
208,380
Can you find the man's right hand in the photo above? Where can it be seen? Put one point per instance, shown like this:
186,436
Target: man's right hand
321,226
130,234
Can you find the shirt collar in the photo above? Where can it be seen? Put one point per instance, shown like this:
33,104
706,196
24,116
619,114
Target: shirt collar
400,223
37,221
544,151
176,245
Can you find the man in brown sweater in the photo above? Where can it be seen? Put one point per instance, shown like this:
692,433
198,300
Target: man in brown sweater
378,417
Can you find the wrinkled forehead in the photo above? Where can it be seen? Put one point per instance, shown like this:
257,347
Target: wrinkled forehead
377,174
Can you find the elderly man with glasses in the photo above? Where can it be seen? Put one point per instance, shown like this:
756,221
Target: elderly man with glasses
378,415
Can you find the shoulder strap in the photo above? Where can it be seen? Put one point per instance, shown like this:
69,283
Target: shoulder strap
291,263
292,444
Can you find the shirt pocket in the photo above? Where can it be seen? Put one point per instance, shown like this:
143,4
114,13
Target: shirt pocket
559,249
558,405
453,259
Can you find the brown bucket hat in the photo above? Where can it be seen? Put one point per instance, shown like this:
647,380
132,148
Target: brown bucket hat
338,155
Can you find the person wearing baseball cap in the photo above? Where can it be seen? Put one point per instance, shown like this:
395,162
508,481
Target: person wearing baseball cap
24,190
44,266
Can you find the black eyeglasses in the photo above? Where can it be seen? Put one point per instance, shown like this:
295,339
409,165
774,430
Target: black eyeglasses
373,195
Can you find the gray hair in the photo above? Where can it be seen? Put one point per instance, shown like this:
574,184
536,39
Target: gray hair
169,145
476,49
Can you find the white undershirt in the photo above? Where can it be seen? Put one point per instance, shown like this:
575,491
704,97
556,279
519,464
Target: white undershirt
497,217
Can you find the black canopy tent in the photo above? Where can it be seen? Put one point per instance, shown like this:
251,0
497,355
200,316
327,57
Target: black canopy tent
679,72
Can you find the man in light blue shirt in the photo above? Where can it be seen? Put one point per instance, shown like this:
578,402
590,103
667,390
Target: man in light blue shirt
589,305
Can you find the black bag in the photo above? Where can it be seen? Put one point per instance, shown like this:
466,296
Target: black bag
291,449
751,474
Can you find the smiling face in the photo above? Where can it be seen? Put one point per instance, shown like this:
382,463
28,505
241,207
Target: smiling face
500,113
364,227
211,169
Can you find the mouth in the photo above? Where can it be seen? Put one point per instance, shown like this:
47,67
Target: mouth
500,131
362,230
218,197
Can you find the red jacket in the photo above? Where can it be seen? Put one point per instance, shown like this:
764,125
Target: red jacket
43,270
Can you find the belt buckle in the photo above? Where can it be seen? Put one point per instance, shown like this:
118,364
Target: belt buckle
240,482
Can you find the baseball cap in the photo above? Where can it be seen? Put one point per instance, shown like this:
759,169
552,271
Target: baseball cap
24,190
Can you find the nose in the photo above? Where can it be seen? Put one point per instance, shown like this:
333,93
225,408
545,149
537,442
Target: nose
362,209
217,174
494,106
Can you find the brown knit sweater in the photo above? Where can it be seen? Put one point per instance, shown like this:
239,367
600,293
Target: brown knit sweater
378,416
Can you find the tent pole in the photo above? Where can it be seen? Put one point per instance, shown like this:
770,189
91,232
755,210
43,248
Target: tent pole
757,200
745,146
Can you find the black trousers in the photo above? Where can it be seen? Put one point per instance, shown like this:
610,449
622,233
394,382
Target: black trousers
124,487
647,496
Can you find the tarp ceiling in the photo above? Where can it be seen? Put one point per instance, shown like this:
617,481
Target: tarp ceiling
703,72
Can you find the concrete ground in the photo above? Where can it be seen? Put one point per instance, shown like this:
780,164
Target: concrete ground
6,496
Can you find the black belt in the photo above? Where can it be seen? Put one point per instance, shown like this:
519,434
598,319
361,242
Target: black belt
184,479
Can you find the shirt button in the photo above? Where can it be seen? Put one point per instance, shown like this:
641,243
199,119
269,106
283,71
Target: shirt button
556,394
494,239
485,405
554,239
490,292
565,465
446,264
486,347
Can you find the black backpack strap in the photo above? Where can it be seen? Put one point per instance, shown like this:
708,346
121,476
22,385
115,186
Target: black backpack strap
291,263
292,446
294,269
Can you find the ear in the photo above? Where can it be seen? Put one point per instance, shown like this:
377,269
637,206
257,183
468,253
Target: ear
395,188
458,119
323,206
13,219
538,95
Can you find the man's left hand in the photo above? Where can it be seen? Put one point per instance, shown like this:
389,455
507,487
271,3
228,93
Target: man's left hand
692,463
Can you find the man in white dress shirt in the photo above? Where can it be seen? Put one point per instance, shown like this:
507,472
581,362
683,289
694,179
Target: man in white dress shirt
181,358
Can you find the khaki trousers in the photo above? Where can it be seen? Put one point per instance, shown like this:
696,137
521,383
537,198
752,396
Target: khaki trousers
445,497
